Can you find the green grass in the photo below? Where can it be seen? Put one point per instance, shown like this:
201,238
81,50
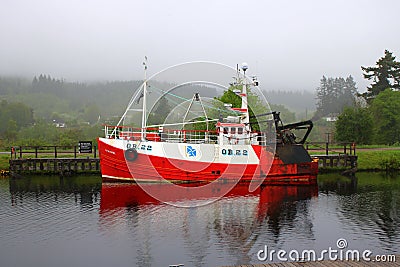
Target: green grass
4,164
379,160
374,160
377,146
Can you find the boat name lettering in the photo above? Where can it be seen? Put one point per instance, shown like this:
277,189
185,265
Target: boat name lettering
237,152
109,151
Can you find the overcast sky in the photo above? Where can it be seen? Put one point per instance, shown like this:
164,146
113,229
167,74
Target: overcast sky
288,44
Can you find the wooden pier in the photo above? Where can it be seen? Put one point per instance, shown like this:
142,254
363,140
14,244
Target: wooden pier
336,161
341,155
46,159
62,166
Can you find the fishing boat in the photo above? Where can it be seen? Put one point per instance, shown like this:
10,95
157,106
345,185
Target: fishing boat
233,148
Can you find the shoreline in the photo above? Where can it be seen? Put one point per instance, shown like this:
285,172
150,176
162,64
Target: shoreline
369,160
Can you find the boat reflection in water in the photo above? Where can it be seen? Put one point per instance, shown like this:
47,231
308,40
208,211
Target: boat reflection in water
232,224
121,195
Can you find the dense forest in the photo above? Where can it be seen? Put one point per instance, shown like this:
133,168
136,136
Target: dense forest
58,99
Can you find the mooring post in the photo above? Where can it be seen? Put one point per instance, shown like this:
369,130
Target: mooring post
36,148
55,151
345,148
326,148
20,152
353,147
75,152
94,149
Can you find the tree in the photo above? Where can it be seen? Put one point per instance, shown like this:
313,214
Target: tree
385,109
334,94
69,137
160,113
354,124
11,132
286,115
91,113
386,74
41,133
21,114
256,106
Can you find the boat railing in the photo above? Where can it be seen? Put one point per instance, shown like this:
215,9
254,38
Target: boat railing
165,135
182,136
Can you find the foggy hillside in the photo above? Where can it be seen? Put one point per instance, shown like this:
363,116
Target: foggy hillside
296,101
53,98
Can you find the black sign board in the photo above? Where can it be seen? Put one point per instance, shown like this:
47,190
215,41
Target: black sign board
85,146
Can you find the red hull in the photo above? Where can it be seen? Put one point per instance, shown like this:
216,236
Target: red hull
115,167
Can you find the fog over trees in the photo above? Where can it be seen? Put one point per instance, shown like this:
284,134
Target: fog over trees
31,105
40,104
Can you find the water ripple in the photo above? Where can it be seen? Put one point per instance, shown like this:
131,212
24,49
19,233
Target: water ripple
73,223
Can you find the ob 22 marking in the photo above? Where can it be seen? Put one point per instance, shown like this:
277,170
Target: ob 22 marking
231,152
141,147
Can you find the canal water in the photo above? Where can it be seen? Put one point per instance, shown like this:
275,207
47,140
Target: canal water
78,221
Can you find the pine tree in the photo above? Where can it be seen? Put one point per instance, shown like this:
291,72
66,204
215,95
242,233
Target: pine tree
386,74
334,94
161,111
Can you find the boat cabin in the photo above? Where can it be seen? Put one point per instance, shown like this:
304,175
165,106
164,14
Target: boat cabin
232,134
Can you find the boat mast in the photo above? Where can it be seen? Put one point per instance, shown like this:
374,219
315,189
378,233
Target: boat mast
245,108
144,118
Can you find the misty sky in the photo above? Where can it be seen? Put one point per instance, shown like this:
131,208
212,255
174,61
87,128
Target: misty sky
288,44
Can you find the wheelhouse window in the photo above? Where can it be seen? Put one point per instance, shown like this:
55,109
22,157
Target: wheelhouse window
225,130
240,130
233,130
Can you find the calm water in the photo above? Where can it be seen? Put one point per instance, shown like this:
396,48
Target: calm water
77,221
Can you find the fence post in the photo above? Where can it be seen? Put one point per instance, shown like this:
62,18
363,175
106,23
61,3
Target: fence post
36,148
55,151
326,148
20,152
75,152
95,150
345,148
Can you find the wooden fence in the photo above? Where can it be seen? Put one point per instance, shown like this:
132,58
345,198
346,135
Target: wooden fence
20,152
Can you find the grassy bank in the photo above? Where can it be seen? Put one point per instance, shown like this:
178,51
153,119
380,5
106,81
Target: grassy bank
376,159
4,164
